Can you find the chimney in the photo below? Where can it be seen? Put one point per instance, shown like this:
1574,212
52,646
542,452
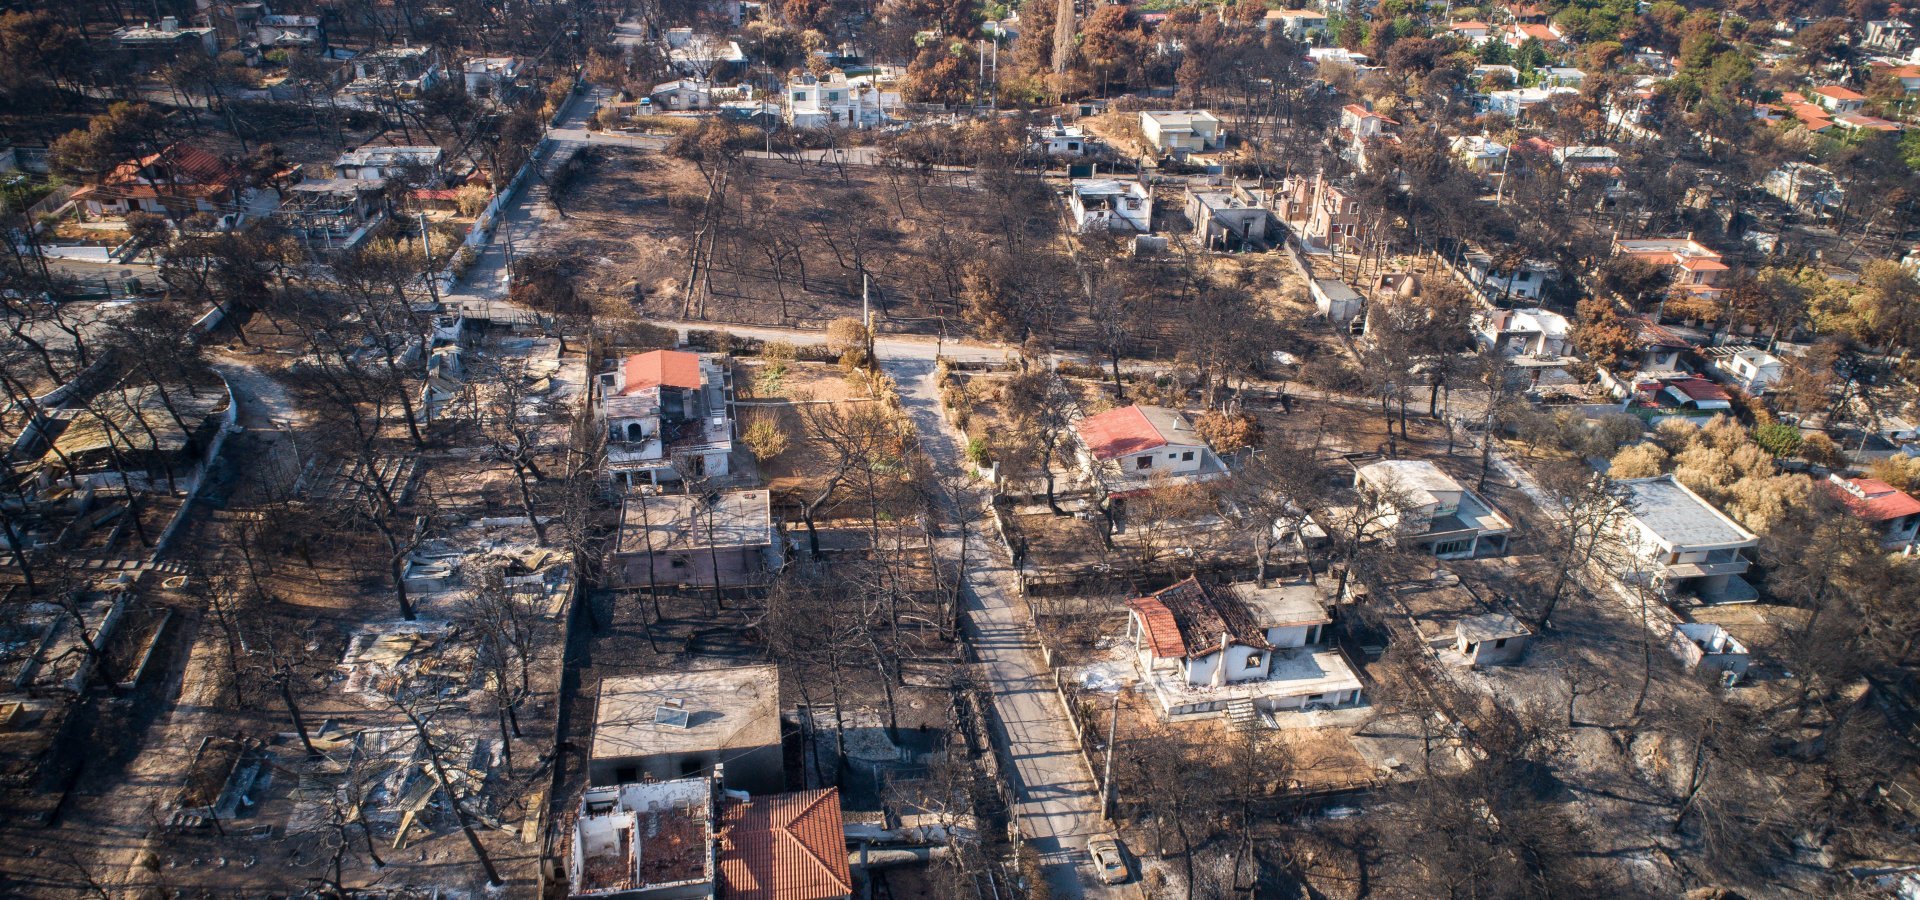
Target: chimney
1220,668
170,23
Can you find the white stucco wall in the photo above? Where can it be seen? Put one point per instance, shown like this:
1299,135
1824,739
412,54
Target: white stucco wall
1166,459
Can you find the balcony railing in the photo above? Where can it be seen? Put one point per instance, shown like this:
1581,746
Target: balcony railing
1701,570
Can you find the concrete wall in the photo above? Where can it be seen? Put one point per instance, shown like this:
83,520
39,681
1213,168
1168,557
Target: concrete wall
1291,635
1494,653
1165,459
757,770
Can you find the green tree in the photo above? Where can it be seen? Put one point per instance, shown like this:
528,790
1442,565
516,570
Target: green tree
1778,438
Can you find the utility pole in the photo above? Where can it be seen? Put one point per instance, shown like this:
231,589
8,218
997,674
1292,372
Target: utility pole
426,246
1106,775
1501,190
866,320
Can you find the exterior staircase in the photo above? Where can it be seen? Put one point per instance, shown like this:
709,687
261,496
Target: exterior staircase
1242,714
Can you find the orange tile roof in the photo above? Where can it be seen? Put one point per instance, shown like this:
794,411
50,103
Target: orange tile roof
1162,632
784,847
182,160
1537,145
1366,113
1540,33
191,172
1813,117
1120,432
673,368
1469,26
1837,92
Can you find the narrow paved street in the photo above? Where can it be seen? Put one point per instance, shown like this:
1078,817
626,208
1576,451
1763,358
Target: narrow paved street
531,208
1056,801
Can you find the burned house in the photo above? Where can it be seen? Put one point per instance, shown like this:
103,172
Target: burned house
333,213
722,538
151,432
1229,218
690,838
178,181
669,417
654,840
1243,650
678,724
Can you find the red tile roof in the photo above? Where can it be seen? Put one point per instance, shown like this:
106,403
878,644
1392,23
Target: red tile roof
1837,92
190,171
1813,117
1877,501
1120,432
672,368
1700,390
784,847
1870,123
1157,623
1537,145
1186,620
1541,33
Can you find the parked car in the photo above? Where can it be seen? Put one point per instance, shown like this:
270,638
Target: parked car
1109,858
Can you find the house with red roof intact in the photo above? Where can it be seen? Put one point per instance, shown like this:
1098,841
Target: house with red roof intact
1127,448
1695,269
1241,650
1836,99
784,847
1895,512
1364,123
668,415
1517,35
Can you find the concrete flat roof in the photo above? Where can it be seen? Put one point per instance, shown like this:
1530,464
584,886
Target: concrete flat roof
725,709
1417,477
1184,118
1277,604
1490,627
1680,517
